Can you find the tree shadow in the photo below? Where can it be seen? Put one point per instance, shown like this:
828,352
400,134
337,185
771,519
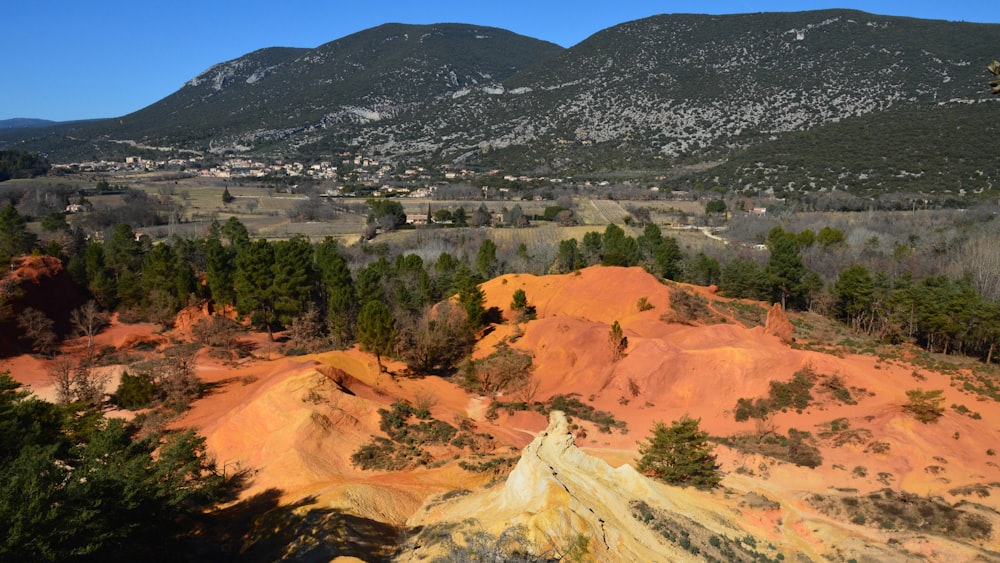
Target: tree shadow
213,387
493,315
260,528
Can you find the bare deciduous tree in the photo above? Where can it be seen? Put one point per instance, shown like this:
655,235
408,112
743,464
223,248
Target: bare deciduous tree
437,340
89,385
506,369
61,374
177,379
979,258
306,332
37,328
88,320
218,331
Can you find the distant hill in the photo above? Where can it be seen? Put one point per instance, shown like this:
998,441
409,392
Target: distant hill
24,122
644,96
21,164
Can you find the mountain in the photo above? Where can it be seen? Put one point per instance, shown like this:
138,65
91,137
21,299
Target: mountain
23,122
684,87
644,95
286,94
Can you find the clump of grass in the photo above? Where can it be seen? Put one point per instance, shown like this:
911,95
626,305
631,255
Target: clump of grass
570,404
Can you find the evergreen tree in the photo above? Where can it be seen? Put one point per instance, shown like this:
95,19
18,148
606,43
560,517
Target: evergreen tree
185,283
123,257
523,311
592,248
702,269
254,287
445,272
716,206
486,259
15,239
471,298
294,278
158,281
369,282
100,280
410,284
785,271
854,294
220,268
337,287
619,249
569,258
376,330
667,257
236,233
387,213
76,487
680,454
742,278
617,341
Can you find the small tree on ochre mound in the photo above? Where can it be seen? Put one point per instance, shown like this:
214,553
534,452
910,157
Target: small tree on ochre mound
680,454
376,330
925,406
617,341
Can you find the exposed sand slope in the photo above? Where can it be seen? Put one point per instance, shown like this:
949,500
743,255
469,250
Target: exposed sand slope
294,423
672,369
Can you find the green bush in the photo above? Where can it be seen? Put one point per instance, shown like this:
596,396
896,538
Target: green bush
925,406
135,391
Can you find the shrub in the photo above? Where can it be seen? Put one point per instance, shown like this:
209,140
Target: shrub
135,391
506,369
689,308
794,393
925,406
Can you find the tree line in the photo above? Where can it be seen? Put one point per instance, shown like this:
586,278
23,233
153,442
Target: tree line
327,295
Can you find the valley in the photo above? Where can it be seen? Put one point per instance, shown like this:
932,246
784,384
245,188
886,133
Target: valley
698,288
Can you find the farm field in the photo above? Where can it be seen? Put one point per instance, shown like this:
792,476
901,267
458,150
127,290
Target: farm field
198,201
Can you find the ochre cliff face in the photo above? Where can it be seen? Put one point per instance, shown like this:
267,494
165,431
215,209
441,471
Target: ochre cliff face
39,282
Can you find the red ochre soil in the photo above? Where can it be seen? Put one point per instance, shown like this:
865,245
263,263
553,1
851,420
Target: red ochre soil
294,422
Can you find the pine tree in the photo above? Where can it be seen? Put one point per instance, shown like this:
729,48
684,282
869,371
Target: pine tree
15,239
785,270
294,278
680,454
486,259
376,330
254,286
338,288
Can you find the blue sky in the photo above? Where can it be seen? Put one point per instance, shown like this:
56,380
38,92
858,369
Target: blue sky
78,59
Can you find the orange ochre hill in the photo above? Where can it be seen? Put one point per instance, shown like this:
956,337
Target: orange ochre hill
293,424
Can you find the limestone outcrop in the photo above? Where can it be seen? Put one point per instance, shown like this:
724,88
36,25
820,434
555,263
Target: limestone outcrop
556,492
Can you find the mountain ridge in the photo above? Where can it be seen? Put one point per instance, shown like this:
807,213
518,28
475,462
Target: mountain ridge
646,94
